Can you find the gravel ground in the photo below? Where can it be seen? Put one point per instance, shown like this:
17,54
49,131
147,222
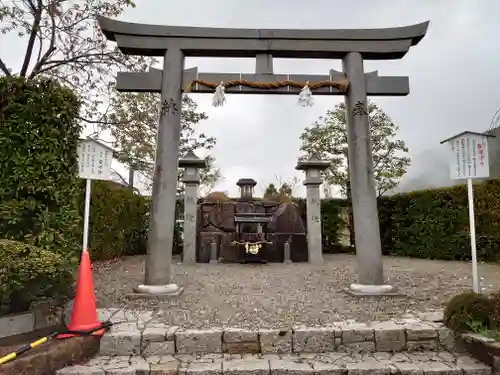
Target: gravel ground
278,295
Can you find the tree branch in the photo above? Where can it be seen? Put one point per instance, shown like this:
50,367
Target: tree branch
56,63
31,42
101,121
4,68
49,51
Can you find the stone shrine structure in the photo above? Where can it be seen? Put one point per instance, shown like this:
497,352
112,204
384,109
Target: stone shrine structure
173,43
218,226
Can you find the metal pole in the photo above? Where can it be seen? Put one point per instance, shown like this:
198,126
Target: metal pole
86,216
475,279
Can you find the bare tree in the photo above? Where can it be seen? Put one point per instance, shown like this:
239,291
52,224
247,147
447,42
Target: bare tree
64,42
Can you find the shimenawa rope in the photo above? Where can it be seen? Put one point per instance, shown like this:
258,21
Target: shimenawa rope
305,95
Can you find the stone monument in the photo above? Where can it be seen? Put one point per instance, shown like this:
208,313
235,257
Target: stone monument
173,43
191,179
312,168
231,224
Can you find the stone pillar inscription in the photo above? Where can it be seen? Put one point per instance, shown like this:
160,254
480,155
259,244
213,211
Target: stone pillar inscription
313,180
191,179
362,181
162,221
314,240
190,198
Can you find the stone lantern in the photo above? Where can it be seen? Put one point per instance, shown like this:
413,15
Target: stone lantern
246,186
312,168
191,179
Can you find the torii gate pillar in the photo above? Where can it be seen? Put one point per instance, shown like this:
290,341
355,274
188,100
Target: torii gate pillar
362,182
162,220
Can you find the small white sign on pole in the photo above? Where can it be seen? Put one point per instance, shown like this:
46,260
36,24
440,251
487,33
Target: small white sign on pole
94,160
469,160
94,163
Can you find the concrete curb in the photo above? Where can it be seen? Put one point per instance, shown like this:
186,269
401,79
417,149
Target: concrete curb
42,317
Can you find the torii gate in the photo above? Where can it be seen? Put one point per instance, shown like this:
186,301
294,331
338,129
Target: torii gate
353,46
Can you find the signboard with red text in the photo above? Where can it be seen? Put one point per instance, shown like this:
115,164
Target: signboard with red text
469,156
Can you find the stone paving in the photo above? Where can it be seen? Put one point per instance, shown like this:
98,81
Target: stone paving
142,333
443,363
140,344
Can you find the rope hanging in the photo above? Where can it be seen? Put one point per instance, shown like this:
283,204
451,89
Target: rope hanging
305,96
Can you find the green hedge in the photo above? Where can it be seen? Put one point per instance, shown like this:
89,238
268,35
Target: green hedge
118,220
38,164
434,224
29,273
39,190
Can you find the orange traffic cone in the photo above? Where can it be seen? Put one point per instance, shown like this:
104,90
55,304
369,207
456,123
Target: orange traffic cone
84,314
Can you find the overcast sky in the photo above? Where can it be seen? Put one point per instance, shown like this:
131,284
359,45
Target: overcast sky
454,76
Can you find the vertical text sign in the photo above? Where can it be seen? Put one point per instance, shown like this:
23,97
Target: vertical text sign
94,160
469,157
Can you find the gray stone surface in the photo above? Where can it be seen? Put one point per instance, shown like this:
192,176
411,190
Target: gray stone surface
287,257
312,168
240,335
162,221
16,324
357,347
357,332
205,368
191,179
121,343
325,368
164,367
290,367
496,365
421,363
420,331
158,348
314,241
199,341
389,337
251,366
275,340
446,338
413,346
190,208
80,370
362,182
314,340
155,333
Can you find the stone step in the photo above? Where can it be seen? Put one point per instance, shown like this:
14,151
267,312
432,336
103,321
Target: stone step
154,337
378,363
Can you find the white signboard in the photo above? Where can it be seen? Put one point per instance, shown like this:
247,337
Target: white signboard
469,157
94,160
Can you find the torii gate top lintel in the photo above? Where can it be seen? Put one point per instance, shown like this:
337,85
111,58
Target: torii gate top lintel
153,40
